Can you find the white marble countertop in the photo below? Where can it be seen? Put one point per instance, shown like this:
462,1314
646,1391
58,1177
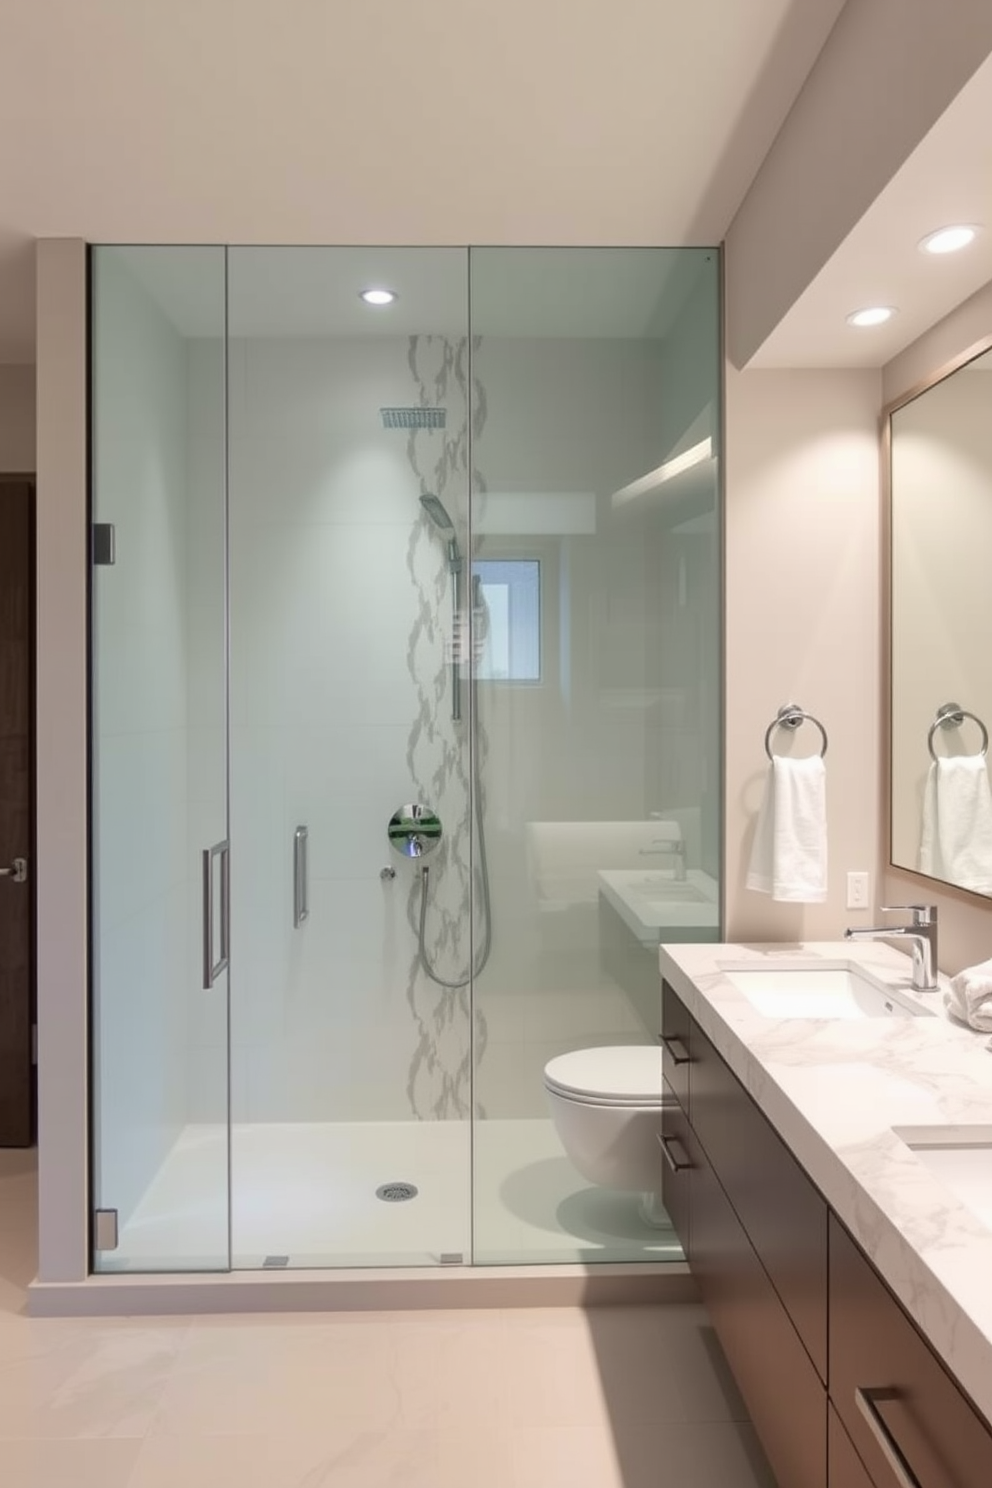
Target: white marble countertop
834,1089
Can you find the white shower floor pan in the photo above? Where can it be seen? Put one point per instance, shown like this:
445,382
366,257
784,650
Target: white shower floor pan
304,1195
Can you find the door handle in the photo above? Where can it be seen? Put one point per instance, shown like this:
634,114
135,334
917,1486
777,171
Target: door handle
301,877
18,871
213,968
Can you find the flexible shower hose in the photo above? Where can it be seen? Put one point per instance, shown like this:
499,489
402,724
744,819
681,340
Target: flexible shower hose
487,938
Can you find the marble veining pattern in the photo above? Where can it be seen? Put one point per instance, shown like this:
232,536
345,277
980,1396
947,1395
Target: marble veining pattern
438,757
834,1090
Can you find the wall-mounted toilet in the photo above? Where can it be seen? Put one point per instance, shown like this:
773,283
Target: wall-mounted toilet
606,1107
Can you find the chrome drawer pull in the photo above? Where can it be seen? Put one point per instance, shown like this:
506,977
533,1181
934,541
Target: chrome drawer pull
678,1162
676,1049
865,1401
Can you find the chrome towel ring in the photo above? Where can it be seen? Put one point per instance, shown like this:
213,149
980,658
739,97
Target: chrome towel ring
950,715
790,716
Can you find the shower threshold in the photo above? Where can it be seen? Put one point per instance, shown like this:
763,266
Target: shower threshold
310,1232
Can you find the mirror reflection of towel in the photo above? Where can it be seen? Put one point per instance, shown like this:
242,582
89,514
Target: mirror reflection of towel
956,839
789,856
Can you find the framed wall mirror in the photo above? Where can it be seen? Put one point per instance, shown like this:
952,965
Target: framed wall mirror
940,660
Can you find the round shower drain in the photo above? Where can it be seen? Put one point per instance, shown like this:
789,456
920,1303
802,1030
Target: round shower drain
395,1193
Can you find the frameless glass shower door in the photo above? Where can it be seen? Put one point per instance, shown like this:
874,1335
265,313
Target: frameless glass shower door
351,1065
595,522
159,751
406,735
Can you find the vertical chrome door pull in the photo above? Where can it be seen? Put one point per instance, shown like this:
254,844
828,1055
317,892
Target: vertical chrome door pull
301,877
213,968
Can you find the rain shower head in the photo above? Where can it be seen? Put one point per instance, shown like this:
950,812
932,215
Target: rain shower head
413,418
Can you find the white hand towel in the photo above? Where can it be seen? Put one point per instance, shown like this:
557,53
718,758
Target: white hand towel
789,856
956,840
970,996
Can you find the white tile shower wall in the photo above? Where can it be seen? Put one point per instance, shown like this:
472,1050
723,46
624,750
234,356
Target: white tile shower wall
340,621
141,765
341,712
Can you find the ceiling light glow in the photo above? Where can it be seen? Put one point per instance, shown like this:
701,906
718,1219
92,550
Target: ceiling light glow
948,239
872,316
378,296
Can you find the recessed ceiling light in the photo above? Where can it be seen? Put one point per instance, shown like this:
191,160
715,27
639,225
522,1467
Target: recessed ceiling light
873,316
948,239
378,296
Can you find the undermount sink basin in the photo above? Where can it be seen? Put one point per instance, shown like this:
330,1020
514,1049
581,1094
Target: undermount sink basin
829,989
960,1157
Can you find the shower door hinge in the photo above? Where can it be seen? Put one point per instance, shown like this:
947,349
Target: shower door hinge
104,541
105,1229
452,1258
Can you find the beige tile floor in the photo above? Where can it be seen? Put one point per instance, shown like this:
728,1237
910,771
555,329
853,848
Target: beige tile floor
610,1398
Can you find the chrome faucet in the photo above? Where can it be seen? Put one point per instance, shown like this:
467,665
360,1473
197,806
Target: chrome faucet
673,846
922,935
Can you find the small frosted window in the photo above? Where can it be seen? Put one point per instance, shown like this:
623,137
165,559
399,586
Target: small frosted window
511,589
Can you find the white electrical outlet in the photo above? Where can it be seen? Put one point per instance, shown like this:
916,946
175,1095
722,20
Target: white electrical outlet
857,891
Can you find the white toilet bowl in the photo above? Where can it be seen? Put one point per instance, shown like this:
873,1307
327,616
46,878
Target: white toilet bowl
606,1107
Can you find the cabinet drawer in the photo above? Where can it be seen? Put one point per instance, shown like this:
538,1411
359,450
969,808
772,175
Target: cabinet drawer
784,1215
676,1052
844,1467
784,1396
915,1406
677,1138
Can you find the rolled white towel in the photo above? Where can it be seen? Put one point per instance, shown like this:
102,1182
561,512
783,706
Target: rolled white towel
970,996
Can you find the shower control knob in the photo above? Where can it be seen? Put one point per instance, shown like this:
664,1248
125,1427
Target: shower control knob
387,874
414,830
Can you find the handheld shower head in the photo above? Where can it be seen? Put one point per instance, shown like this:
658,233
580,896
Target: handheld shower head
436,510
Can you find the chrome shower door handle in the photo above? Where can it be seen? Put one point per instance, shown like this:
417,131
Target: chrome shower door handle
301,877
212,968
18,871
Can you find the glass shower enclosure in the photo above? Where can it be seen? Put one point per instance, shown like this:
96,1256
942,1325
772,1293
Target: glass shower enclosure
405,736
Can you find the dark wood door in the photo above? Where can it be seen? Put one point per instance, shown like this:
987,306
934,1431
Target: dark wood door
16,817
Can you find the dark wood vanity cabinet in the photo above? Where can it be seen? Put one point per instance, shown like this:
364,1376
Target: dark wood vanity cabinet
843,1390
844,1467
723,1162
895,1398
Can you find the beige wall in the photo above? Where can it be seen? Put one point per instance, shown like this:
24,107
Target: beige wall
17,419
965,921
802,623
